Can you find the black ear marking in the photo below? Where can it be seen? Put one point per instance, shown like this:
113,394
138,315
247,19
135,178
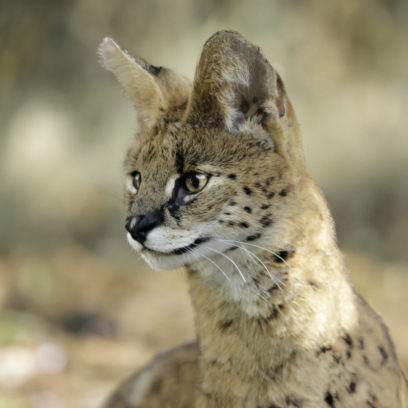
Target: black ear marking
154,70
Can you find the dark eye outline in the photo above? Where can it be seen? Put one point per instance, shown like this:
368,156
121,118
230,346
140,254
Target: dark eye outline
133,182
193,173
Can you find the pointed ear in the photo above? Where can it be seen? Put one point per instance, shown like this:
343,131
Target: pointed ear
233,79
153,90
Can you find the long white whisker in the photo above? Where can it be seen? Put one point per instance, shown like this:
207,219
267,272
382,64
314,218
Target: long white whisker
249,253
196,258
257,246
213,263
225,256
266,268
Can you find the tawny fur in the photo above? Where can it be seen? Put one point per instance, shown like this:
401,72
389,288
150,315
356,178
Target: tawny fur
278,320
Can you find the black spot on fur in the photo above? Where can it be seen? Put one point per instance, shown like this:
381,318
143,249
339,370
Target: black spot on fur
324,349
243,225
230,223
266,221
247,190
313,284
232,176
227,323
220,221
329,399
232,203
267,183
348,340
273,406
282,256
273,314
232,248
361,343
257,185
278,368
270,195
352,388
283,193
370,404
227,213
366,361
253,237
248,210
384,354
265,206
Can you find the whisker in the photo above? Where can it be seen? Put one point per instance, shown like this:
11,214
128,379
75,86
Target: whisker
257,246
196,258
260,260
249,253
225,256
214,264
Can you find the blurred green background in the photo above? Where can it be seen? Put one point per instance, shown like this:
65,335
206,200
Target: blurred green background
78,311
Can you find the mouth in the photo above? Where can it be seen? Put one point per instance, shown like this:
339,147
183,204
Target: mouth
182,250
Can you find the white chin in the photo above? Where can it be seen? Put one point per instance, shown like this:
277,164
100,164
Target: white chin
157,261
163,262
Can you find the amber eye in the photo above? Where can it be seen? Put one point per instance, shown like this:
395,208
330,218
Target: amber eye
133,181
195,182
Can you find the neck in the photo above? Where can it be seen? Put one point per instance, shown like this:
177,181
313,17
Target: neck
289,303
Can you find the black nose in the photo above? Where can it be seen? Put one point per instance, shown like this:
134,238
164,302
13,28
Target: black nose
139,226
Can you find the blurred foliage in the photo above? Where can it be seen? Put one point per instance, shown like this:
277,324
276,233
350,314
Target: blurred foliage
67,278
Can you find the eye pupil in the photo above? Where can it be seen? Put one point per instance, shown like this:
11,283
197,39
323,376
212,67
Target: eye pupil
195,181
136,181
133,181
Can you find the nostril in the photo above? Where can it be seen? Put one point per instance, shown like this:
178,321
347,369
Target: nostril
131,222
145,224
138,226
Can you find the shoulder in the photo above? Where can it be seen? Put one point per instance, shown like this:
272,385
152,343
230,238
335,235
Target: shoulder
170,377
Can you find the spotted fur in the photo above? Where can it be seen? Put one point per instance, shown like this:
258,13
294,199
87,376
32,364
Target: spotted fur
278,321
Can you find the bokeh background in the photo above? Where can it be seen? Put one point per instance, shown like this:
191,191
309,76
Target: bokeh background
78,311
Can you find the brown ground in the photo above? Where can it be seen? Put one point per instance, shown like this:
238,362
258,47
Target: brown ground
108,320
